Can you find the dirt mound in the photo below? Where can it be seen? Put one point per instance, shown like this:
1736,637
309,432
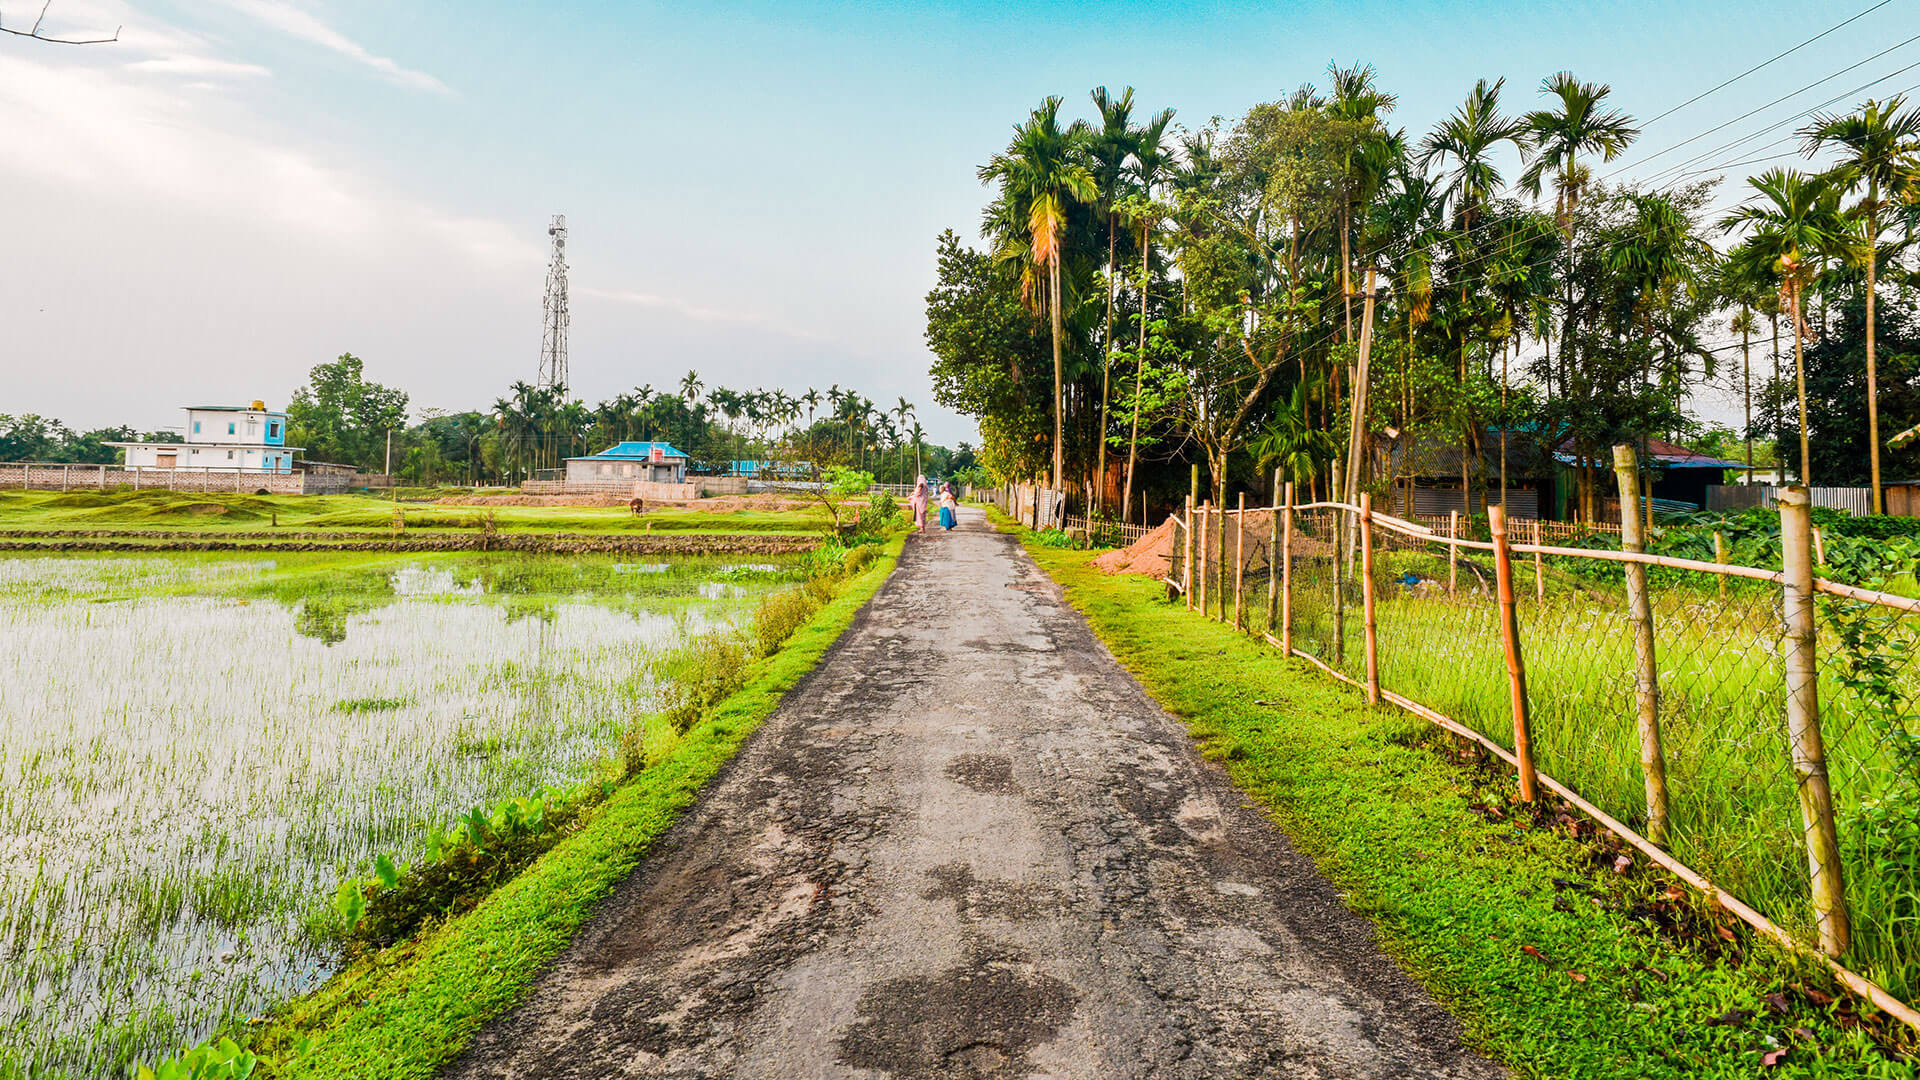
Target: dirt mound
1151,555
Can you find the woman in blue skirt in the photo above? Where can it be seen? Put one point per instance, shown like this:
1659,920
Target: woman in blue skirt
949,507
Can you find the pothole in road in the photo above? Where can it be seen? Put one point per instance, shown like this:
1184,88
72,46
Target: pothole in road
976,1020
989,774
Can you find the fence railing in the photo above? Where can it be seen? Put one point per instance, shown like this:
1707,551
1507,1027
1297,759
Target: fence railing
1106,533
1857,501
1754,731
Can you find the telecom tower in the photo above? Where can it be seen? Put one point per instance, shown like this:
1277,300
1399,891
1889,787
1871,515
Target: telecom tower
553,339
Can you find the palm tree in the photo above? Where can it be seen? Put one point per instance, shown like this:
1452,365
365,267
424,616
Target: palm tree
690,386
1882,147
1796,225
1109,149
1039,174
1358,101
1291,441
919,436
1744,324
902,412
1151,156
1556,138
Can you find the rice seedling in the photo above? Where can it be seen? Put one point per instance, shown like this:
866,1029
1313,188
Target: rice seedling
195,750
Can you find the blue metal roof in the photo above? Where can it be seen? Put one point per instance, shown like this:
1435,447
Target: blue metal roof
634,451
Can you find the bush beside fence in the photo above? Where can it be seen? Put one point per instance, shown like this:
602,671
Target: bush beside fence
1751,729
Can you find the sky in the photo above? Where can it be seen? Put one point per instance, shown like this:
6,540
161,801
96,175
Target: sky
237,190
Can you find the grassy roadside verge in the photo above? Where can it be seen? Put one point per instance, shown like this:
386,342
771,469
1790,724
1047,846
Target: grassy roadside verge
407,1011
1555,963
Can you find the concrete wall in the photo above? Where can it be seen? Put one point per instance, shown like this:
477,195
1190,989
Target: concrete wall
644,489
592,471
35,477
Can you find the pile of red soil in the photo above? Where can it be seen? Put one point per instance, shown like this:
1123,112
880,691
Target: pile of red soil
1151,555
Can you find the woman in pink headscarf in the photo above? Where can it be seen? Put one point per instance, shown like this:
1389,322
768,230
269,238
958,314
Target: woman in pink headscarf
917,502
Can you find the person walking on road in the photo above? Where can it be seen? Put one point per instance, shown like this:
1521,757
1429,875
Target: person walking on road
917,503
949,508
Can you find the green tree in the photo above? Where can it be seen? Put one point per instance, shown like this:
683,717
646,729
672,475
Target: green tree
1881,144
340,416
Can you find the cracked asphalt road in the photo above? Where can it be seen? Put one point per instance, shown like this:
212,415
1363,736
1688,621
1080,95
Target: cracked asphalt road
969,846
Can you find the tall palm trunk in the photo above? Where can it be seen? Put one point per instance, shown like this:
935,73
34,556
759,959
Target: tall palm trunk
1746,382
1059,447
1106,372
1873,385
1800,381
1139,372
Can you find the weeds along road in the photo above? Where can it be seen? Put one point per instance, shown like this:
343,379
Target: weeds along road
969,845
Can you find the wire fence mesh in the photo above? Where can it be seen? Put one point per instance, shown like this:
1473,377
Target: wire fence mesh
1677,725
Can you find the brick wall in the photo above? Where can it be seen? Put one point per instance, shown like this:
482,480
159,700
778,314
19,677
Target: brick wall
37,477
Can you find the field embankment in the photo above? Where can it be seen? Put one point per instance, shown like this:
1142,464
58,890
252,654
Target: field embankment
1561,959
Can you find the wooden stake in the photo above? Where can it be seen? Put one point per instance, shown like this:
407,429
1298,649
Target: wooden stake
1539,568
1186,561
1510,642
1720,556
1286,575
1206,517
1453,552
1239,560
1646,675
1803,723
1366,589
1819,546
1273,556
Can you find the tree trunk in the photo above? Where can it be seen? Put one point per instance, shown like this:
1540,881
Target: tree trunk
1106,367
1800,382
1873,373
1059,447
1746,363
1139,370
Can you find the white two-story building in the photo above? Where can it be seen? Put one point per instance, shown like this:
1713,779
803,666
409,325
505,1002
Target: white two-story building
248,438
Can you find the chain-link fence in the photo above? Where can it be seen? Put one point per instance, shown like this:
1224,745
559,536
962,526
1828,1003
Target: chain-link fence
1757,732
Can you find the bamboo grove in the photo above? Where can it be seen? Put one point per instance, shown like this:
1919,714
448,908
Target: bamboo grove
1149,296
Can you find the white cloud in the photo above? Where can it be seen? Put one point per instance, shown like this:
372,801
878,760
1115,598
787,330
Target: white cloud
307,27
181,64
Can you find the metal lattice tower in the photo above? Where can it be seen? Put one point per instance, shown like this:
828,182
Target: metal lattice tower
553,339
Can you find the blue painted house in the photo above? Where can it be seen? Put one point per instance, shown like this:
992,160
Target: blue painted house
626,462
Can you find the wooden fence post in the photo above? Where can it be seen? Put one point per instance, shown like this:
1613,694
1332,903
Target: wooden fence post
1510,643
1239,559
1186,561
1220,565
1273,556
1803,723
1366,591
1206,521
1646,671
1453,551
1286,575
1539,568
1720,556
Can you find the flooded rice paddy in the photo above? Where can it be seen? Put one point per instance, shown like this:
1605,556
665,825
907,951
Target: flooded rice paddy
195,749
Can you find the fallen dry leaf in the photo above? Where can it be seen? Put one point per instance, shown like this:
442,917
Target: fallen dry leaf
1772,1057
1533,952
1576,976
1623,864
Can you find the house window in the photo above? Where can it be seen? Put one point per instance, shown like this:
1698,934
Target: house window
196,427
273,429
229,431
229,453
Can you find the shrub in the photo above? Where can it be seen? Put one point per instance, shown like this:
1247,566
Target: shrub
779,616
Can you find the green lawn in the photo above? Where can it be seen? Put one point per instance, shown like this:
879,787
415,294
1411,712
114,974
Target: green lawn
38,511
1556,964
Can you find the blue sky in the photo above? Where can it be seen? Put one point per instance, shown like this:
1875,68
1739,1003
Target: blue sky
240,189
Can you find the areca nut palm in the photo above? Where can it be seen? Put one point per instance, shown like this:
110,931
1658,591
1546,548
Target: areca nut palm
1469,137
1039,174
1881,144
1151,156
1797,223
1109,150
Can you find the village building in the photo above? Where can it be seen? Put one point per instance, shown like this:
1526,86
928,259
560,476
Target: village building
653,462
244,438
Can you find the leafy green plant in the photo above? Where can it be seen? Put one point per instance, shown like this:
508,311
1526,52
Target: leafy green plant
213,1060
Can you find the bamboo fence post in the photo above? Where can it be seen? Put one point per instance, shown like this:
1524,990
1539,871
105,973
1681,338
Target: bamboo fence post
1220,567
1819,544
1366,588
1539,568
1453,551
1803,723
1286,575
1646,674
1239,560
1200,598
1339,548
1186,560
1720,556
1273,555
1510,643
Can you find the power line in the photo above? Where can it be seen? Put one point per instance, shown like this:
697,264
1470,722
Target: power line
1764,63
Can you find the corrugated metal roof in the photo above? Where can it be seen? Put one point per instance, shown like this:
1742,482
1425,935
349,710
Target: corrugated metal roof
634,450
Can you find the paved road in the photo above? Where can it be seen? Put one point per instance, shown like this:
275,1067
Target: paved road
970,846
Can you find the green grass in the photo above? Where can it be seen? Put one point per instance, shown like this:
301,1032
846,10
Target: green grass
409,1010
34,511
1460,884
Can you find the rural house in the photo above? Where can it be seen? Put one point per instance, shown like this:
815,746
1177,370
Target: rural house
655,462
251,438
